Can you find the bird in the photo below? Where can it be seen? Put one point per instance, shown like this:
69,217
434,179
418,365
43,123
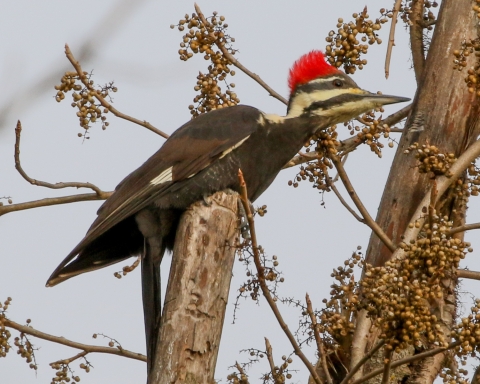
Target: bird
202,157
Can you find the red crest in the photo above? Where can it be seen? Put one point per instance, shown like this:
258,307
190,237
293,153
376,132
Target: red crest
309,67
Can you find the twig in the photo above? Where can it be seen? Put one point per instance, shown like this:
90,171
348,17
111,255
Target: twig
408,360
463,228
318,339
263,284
63,341
387,365
18,166
391,37
242,373
466,274
71,359
345,204
4,209
83,78
240,66
363,361
268,350
358,203
416,38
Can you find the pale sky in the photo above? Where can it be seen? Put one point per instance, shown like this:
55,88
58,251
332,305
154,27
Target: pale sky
134,46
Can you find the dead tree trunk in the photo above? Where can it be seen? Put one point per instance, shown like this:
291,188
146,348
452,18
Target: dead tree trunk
444,114
197,292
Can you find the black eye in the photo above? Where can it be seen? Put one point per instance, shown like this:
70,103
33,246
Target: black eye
338,83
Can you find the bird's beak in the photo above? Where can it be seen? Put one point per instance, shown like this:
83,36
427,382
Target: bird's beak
377,100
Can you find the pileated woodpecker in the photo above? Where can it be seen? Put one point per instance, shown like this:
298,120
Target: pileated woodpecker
202,157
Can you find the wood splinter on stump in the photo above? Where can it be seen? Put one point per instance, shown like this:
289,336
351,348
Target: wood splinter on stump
197,292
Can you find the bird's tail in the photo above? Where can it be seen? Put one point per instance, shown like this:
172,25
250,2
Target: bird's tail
151,295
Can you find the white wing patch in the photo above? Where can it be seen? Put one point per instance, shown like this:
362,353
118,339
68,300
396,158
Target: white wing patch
227,151
163,177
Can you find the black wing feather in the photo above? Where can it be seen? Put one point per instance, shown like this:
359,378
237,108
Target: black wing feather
190,149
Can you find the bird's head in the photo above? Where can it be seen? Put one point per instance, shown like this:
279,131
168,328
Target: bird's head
318,88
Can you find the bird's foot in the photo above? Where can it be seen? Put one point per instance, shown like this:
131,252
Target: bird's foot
243,221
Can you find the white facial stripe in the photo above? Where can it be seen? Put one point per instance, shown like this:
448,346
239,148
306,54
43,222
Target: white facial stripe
163,177
304,99
348,110
227,151
325,79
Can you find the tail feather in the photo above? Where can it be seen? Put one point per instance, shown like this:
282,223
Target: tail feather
151,295
119,243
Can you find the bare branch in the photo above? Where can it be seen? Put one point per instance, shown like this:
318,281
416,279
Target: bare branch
69,343
18,166
105,103
387,365
466,274
71,359
358,203
364,359
391,37
263,284
463,228
345,204
408,360
98,195
318,339
4,209
240,66
416,38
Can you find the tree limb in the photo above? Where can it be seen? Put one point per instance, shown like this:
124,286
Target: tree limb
391,37
263,284
364,359
63,341
416,38
4,209
18,166
368,219
318,339
408,360
83,78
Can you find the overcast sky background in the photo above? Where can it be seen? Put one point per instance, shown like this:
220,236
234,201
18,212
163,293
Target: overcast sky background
131,43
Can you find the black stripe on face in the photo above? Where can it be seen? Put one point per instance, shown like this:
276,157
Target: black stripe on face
334,102
337,81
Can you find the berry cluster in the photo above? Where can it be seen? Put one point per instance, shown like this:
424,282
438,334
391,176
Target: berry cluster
85,99
4,332
428,16
323,143
344,47
429,159
337,319
399,296
468,48
25,349
208,37
372,132
473,179
63,374
467,331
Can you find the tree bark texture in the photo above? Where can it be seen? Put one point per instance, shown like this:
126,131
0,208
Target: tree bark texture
443,114
197,292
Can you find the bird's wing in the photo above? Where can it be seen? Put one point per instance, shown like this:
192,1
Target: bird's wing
190,149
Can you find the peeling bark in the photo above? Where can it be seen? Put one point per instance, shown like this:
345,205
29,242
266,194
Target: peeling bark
197,292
